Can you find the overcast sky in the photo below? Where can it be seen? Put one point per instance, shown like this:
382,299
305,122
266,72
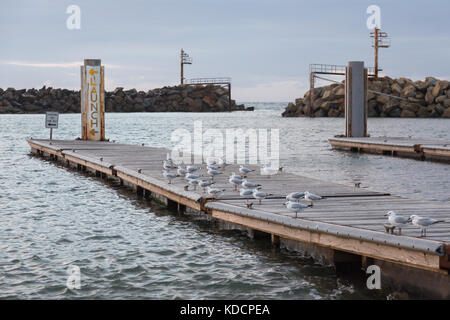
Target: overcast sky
264,46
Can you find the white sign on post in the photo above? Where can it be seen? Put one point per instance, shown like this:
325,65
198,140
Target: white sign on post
51,120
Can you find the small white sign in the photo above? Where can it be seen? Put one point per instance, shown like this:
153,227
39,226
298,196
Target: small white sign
51,120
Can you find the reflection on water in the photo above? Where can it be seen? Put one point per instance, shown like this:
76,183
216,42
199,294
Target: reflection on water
51,218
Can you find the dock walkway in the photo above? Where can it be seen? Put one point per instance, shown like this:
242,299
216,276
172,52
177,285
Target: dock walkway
423,149
347,219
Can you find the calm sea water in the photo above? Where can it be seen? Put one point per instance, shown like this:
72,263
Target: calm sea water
51,218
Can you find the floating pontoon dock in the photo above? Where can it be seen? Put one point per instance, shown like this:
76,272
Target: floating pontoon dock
423,149
344,228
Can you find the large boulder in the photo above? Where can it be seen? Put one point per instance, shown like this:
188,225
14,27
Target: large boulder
396,88
409,91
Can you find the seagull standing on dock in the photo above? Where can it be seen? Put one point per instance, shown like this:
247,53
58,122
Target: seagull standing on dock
214,191
191,169
181,171
296,206
194,182
258,194
295,196
213,167
205,183
244,171
397,221
235,180
269,171
310,197
249,185
423,223
170,176
213,173
190,176
246,193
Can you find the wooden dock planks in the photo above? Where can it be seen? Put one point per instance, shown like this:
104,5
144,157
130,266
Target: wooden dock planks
423,149
354,209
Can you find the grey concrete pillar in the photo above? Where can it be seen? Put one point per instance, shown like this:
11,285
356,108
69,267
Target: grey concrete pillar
356,100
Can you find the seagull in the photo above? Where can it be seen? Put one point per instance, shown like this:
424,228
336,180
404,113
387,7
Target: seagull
397,221
244,171
213,167
181,171
168,165
191,169
214,191
295,196
295,206
310,197
423,223
205,183
247,184
269,171
213,172
190,176
259,195
194,182
235,180
170,176
245,193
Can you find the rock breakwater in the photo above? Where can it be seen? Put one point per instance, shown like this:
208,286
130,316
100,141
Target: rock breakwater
421,99
200,98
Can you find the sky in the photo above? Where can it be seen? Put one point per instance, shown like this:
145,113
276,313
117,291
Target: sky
264,46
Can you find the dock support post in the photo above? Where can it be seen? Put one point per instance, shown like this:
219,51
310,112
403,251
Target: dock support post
139,192
181,208
92,100
275,240
356,99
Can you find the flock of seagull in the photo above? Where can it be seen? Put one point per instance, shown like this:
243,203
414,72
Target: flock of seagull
248,189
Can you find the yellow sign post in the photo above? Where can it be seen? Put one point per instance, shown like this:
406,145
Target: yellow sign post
92,100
